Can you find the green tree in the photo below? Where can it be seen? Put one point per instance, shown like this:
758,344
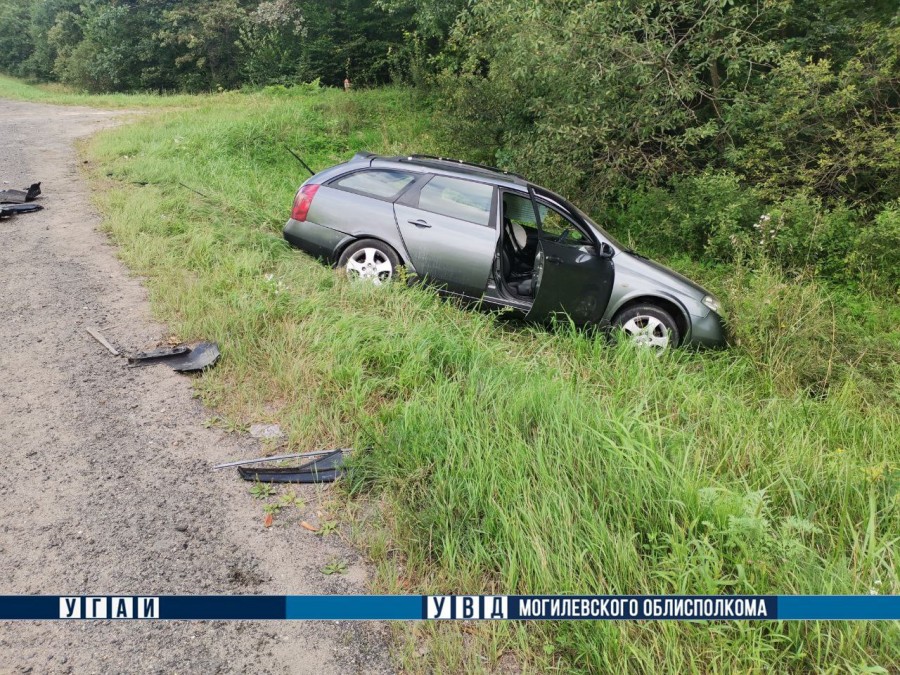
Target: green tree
616,92
16,44
432,19
827,127
273,42
206,38
353,39
42,18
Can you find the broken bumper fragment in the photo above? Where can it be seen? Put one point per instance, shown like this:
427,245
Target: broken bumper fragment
323,470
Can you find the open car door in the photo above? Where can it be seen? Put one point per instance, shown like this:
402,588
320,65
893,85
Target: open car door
574,274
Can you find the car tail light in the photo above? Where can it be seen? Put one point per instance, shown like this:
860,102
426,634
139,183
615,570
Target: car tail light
303,201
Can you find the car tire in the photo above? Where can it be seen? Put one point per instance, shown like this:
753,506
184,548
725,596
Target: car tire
649,325
370,259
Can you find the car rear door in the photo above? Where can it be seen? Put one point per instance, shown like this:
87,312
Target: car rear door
447,225
574,273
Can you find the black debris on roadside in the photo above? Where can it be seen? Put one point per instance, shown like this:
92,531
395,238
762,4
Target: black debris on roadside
323,470
13,209
28,194
13,202
183,358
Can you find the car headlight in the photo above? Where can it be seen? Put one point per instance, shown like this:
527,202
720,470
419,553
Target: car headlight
712,303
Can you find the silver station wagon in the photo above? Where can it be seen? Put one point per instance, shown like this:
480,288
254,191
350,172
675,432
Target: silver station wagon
495,238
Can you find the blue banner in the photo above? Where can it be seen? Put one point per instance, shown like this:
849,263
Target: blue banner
455,607
839,607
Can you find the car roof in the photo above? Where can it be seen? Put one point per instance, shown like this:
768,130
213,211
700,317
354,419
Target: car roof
448,166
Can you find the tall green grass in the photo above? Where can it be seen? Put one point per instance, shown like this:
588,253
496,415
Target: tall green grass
514,459
13,89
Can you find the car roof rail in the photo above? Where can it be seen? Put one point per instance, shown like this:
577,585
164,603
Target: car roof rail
483,167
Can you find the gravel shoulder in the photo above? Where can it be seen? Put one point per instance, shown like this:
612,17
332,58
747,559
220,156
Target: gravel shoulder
107,487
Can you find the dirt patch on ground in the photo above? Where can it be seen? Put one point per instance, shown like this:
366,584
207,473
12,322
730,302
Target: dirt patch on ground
106,483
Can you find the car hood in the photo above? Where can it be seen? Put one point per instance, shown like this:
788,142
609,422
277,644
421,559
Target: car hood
660,274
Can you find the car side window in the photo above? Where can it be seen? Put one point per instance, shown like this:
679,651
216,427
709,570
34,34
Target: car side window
560,228
380,183
519,209
457,198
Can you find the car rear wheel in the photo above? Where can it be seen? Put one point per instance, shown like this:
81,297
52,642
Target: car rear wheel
371,260
649,326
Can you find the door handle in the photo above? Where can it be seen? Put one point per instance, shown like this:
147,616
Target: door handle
553,259
418,223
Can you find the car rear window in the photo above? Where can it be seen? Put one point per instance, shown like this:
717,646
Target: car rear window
381,183
457,198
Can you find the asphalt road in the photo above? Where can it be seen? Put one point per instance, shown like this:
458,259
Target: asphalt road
106,487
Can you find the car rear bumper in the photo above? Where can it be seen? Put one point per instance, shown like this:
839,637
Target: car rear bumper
317,240
709,331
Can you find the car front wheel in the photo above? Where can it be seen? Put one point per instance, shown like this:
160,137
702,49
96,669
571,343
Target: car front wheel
649,326
371,260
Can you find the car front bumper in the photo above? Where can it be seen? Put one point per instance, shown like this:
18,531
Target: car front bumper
709,331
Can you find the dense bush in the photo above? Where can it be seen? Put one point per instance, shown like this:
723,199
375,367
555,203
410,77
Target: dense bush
705,127
15,43
823,125
716,217
709,214
591,92
878,249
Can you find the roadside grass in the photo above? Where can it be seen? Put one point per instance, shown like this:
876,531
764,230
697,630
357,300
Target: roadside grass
512,459
11,88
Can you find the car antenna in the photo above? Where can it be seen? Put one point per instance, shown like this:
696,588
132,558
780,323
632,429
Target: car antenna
297,157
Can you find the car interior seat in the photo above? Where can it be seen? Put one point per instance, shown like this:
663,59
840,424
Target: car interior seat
517,272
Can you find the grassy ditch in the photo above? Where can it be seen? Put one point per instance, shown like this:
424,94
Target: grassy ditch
521,460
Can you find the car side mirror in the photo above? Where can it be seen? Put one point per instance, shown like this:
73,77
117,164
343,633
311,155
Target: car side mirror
605,250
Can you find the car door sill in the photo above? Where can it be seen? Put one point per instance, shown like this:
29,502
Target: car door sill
493,297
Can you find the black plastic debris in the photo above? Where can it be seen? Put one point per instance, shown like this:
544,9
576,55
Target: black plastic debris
323,470
13,197
13,209
156,355
183,358
276,458
29,194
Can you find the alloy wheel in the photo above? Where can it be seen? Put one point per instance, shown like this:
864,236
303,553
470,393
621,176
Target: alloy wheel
370,264
647,331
